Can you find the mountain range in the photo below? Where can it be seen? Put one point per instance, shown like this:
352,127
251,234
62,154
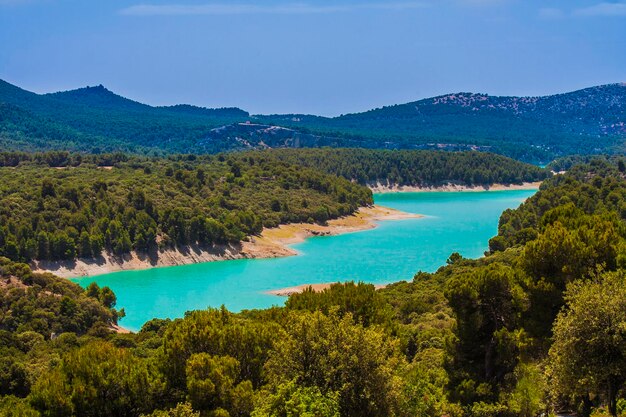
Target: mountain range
534,129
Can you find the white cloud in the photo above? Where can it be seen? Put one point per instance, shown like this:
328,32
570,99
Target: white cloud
233,9
603,9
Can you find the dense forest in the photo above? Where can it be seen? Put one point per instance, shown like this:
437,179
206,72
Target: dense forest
62,206
58,206
532,129
567,162
415,168
537,325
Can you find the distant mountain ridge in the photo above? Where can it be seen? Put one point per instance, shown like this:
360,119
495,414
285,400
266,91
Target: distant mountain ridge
534,129
610,96
96,119
99,96
581,104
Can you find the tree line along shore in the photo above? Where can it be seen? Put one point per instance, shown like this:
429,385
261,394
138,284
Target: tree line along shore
270,243
536,326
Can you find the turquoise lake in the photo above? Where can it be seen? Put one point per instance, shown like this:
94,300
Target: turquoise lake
454,222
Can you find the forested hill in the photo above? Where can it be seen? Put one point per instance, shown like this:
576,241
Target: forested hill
97,120
527,128
415,168
60,206
534,129
535,327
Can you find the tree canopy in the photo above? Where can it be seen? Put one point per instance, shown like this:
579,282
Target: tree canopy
536,326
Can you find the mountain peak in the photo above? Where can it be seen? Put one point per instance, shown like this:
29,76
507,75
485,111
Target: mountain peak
90,89
98,87
97,96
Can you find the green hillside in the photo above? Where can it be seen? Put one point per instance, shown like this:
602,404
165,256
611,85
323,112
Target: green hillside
61,208
97,120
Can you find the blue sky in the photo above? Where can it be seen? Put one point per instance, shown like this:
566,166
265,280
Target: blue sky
321,57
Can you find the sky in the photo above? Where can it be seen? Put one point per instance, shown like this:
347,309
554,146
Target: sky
318,57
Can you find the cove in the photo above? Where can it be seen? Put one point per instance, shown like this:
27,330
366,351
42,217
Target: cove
454,222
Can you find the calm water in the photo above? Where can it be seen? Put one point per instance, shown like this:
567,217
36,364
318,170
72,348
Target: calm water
395,250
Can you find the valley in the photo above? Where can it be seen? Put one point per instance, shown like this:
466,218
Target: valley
313,208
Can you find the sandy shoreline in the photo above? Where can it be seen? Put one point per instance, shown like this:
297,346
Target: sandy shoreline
286,292
119,329
380,188
272,243
363,219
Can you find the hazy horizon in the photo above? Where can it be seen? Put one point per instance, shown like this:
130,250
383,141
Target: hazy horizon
323,58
